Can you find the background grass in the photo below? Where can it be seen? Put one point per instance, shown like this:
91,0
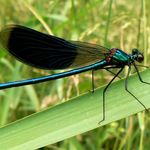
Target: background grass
123,24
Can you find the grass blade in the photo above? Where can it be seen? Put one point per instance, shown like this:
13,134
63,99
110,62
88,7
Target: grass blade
75,116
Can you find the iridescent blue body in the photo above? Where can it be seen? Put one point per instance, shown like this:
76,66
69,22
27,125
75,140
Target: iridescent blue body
49,52
122,57
54,76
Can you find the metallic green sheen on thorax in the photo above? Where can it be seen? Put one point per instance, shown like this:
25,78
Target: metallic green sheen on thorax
121,57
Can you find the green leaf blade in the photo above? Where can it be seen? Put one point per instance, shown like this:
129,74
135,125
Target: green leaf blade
76,116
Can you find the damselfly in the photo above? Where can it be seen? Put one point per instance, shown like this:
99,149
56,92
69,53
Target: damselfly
50,52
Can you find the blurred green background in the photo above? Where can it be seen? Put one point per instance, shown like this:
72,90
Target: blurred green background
122,24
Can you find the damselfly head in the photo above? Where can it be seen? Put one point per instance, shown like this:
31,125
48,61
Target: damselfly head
138,56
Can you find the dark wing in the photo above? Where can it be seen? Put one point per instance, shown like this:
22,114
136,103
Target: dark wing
48,52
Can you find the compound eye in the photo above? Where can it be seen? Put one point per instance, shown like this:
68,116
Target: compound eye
140,58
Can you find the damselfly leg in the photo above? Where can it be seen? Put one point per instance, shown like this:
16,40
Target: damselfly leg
107,69
138,73
104,91
93,81
126,86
